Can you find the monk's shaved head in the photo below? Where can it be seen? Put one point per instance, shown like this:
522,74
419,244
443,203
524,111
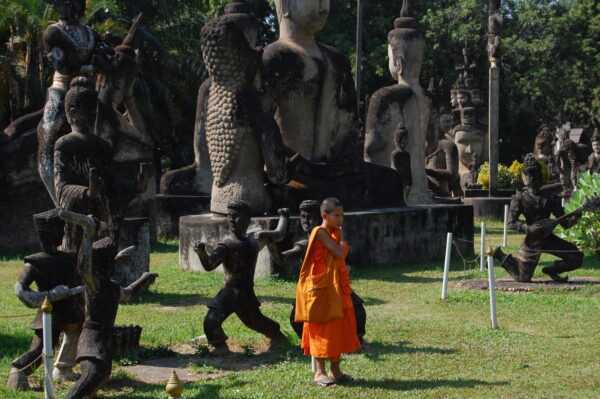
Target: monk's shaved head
330,204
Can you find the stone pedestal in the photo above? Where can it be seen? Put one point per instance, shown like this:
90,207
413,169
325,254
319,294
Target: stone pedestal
379,237
136,232
488,207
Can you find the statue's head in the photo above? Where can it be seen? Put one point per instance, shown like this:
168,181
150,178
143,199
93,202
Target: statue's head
309,16
406,46
70,11
596,141
238,217
242,13
544,141
532,173
80,105
469,143
310,215
50,228
446,123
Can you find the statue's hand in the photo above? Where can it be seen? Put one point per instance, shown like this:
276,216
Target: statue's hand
59,293
284,212
199,246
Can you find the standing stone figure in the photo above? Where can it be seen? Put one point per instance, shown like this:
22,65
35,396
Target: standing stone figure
241,142
238,254
310,218
81,162
310,89
404,103
593,165
537,206
442,163
96,263
544,152
71,46
566,158
401,158
55,275
495,22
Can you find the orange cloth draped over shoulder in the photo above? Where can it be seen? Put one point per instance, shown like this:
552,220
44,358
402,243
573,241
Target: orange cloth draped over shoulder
330,339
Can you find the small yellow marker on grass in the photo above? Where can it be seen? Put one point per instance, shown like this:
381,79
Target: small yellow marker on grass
174,386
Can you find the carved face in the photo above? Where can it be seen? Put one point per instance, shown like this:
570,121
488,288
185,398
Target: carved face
308,15
596,146
80,109
446,123
532,179
462,98
470,147
309,220
238,222
70,11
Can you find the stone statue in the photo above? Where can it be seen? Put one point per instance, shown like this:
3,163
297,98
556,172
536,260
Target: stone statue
593,165
537,205
310,89
566,158
55,274
96,263
544,152
82,161
71,48
238,254
310,218
442,163
470,144
242,141
495,22
401,158
404,103
197,178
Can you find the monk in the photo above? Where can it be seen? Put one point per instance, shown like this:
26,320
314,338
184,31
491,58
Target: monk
323,297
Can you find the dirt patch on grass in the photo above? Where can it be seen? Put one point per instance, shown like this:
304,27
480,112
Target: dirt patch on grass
509,285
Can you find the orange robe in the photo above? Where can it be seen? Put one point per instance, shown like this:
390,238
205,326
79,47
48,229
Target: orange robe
329,340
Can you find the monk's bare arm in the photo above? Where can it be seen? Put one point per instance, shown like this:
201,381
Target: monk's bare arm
338,250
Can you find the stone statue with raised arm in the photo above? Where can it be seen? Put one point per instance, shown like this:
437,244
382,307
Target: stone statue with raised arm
238,254
96,263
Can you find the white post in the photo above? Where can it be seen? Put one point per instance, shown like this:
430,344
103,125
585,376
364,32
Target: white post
505,236
492,288
482,249
48,351
447,266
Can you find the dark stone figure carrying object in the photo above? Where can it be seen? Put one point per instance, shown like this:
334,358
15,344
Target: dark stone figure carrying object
310,217
593,165
238,254
55,275
537,206
72,48
96,263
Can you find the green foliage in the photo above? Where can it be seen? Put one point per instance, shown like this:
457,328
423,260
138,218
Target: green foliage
586,234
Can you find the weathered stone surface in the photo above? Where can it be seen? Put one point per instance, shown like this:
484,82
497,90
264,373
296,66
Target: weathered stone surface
134,232
393,236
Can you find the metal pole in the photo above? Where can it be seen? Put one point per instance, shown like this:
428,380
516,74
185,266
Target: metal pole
505,233
359,54
482,248
446,266
492,288
48,352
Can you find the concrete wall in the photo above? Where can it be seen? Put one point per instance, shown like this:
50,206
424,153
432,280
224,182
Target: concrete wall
390,237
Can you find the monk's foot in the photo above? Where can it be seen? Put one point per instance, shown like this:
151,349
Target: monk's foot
323,380
554,275
17,381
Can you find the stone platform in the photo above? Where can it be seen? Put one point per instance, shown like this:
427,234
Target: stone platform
488,207
379,237
509,285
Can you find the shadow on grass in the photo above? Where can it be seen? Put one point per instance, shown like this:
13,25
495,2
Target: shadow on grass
412,385
14,345
145,391
172,299
377,349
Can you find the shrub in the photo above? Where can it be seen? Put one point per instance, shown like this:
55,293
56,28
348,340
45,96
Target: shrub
586,233
509,178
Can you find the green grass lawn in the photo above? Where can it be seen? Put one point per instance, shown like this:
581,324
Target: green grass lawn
548,344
